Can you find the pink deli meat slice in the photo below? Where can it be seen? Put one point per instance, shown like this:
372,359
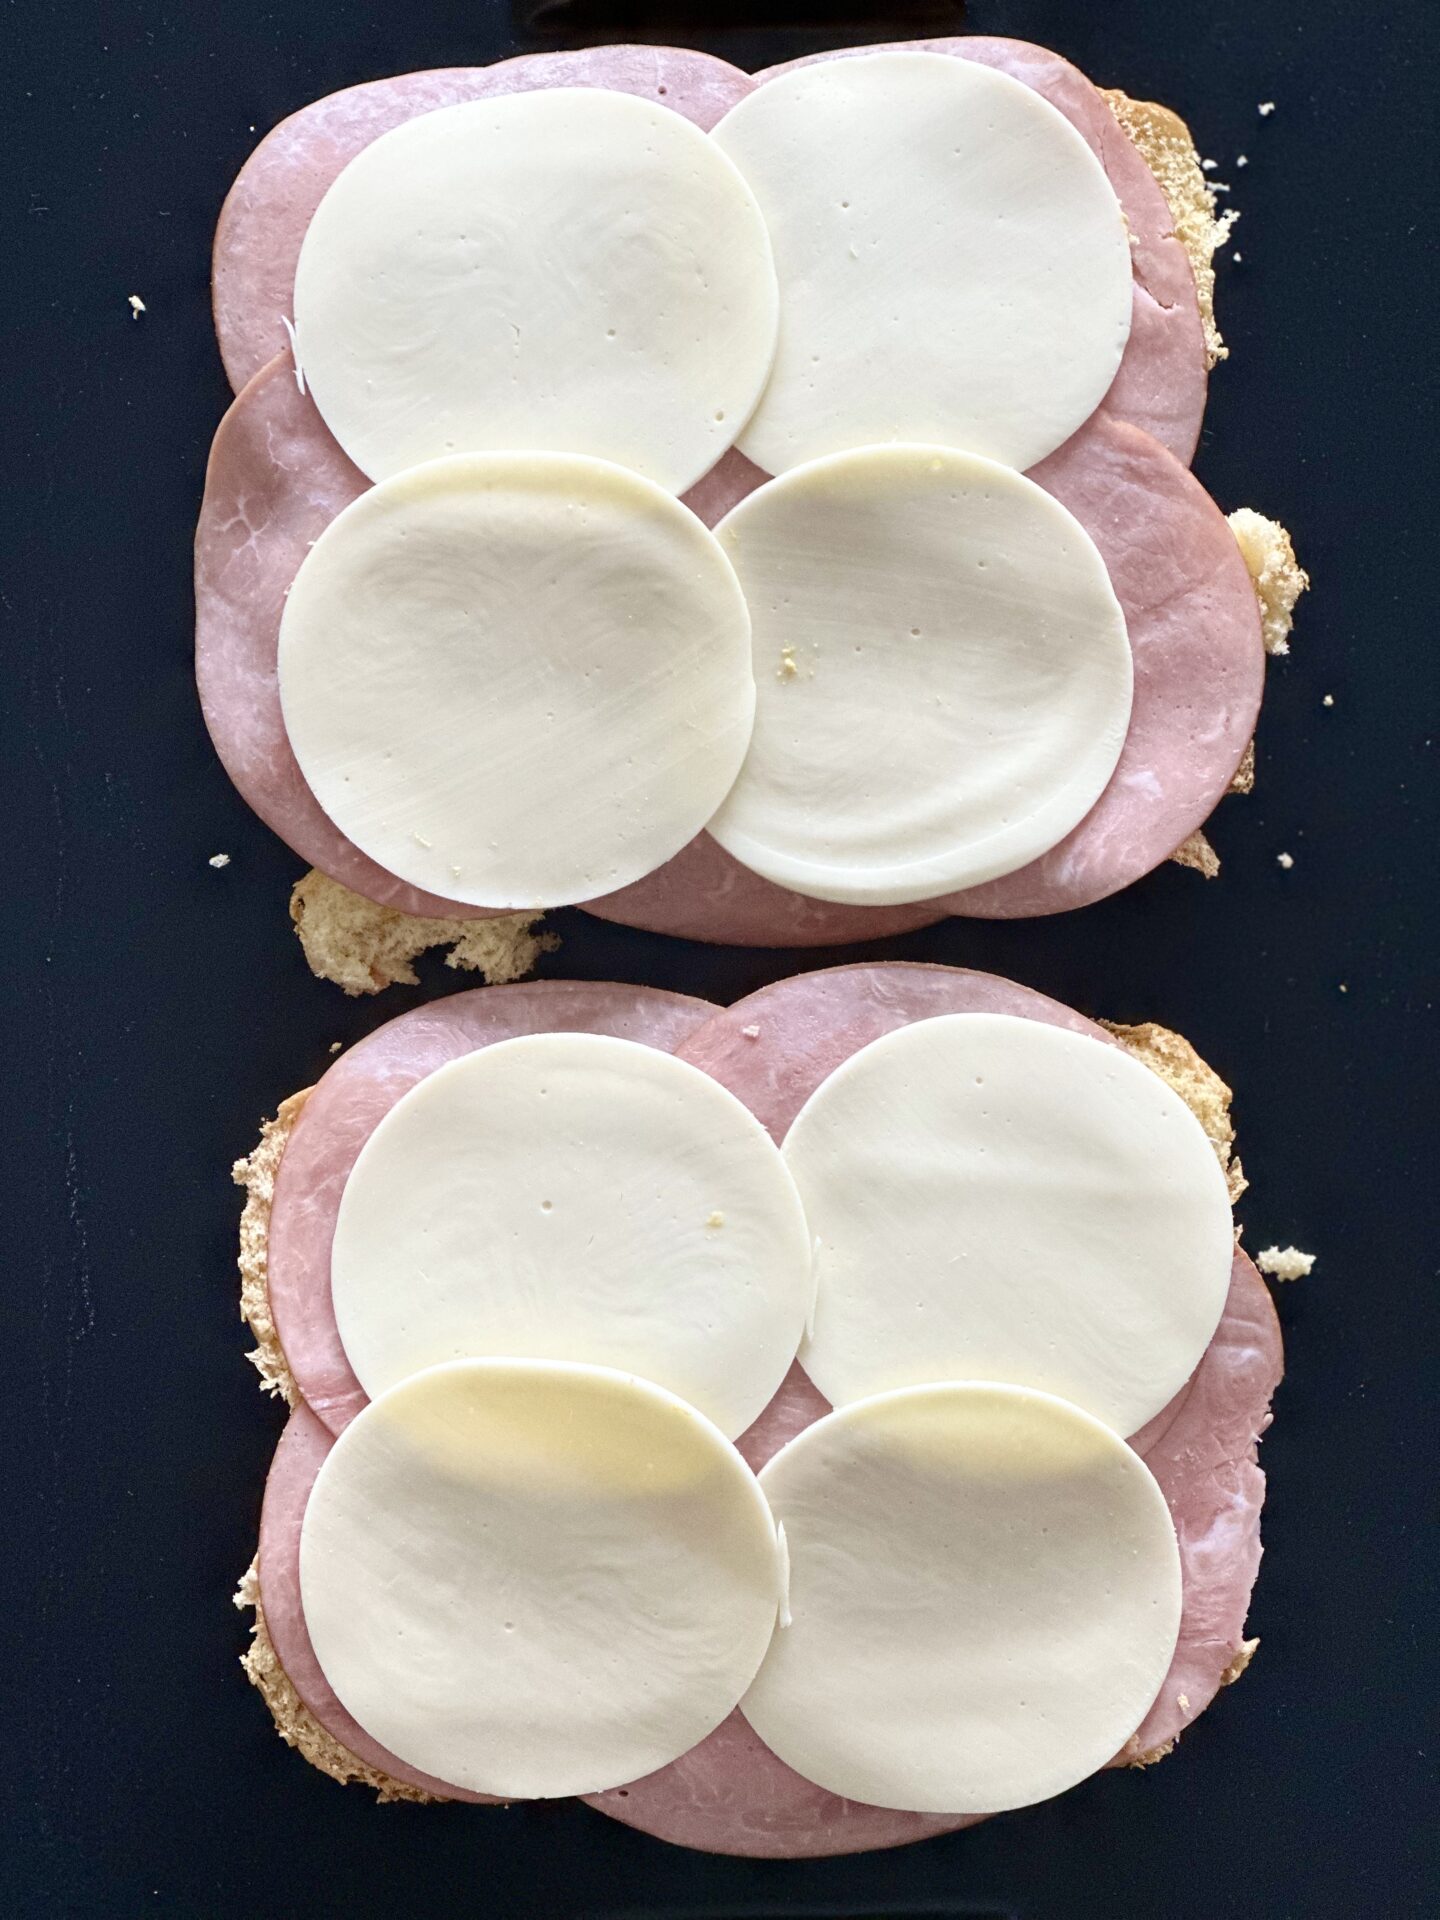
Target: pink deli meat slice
1194,626
357,1092
730,1794
301,1448
263,221
274,483
773,1048
1163,376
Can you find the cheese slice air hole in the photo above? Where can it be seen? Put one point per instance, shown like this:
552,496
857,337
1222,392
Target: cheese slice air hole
573,269
997,1199
942,668
953,262
517,680
574,1197
534,1580
984,1590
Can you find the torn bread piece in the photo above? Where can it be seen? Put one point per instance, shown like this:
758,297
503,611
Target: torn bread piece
1279,578
363,947
1171,1057
1163,142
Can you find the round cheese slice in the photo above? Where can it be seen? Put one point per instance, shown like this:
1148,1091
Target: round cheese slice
997,1199
569,1196
953,261
984,1597
531,1580
572,268
943,674
517,680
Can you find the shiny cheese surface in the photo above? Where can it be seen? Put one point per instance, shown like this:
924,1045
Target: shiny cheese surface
532,1580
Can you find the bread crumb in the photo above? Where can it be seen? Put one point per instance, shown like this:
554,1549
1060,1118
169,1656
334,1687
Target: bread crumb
335,1045
1163,142
219,860
1267,107
364,948
1243,778
750,1033
1171,1056
1197,853
1237,258
1285,1263
1286,860
1279,578
1328,701
1343,987
787,669
1182,1700
137,306
1144,1759
716,1220
256,1173
294,1722
1242,160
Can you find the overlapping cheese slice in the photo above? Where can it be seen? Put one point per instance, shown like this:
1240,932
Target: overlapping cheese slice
953,261
994,1198
984,1597
569,1196
573,269
517,680
942,668
531,1579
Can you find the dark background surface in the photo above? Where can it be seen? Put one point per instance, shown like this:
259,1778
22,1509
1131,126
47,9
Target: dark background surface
161,1007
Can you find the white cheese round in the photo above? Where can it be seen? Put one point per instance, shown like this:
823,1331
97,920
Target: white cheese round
569,1196
517,680
942,668
953,261
532,1580
984,1599
573,269
996,1199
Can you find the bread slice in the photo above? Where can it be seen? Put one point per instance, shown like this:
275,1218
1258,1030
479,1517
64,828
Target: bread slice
1167,1054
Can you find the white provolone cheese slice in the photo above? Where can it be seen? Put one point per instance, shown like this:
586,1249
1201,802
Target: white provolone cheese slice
517,680
532,1580
569,1196
953,261
984,1599
943,675
997,1199
573,269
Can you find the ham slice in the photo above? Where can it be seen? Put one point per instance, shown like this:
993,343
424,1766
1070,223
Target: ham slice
355,1095
267,211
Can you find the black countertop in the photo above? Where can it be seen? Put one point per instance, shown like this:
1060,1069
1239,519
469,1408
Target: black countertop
163,1006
